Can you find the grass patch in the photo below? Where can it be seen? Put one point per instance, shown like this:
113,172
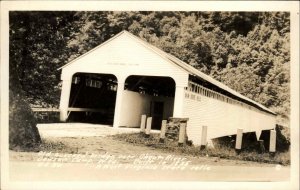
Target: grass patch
220,150
53,145
49,145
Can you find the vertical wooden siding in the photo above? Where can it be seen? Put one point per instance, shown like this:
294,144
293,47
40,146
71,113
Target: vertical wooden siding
222,115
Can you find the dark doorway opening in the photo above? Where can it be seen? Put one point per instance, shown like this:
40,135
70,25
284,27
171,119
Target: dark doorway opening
92,98
158,96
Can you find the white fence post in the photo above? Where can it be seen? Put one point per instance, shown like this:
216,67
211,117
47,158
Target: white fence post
163,131
148,127
143,123
203,137
272,147
238,140
182,133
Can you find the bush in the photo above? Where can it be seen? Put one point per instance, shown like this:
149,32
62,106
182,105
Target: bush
282,138
23,133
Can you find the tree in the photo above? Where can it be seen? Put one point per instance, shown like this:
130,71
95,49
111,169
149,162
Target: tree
37,48
23,132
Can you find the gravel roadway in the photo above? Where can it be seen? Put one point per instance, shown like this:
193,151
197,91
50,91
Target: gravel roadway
98,157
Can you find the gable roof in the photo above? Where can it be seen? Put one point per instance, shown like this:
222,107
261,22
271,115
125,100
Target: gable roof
172,59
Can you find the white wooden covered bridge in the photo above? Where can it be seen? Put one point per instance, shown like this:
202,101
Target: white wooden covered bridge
125,77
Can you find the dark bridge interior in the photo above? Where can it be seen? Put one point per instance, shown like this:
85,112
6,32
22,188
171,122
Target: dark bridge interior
93,98
152,85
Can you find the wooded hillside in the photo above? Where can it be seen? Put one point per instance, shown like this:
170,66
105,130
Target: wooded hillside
248,51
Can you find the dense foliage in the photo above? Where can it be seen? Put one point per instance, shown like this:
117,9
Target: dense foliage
248,51
23,132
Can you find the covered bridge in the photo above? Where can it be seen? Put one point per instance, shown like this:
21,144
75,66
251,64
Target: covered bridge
125,77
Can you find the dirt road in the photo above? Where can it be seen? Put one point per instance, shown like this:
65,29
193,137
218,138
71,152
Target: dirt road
75,154
115,160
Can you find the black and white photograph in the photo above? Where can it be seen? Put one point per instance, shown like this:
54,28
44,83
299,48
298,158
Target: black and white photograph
149,95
